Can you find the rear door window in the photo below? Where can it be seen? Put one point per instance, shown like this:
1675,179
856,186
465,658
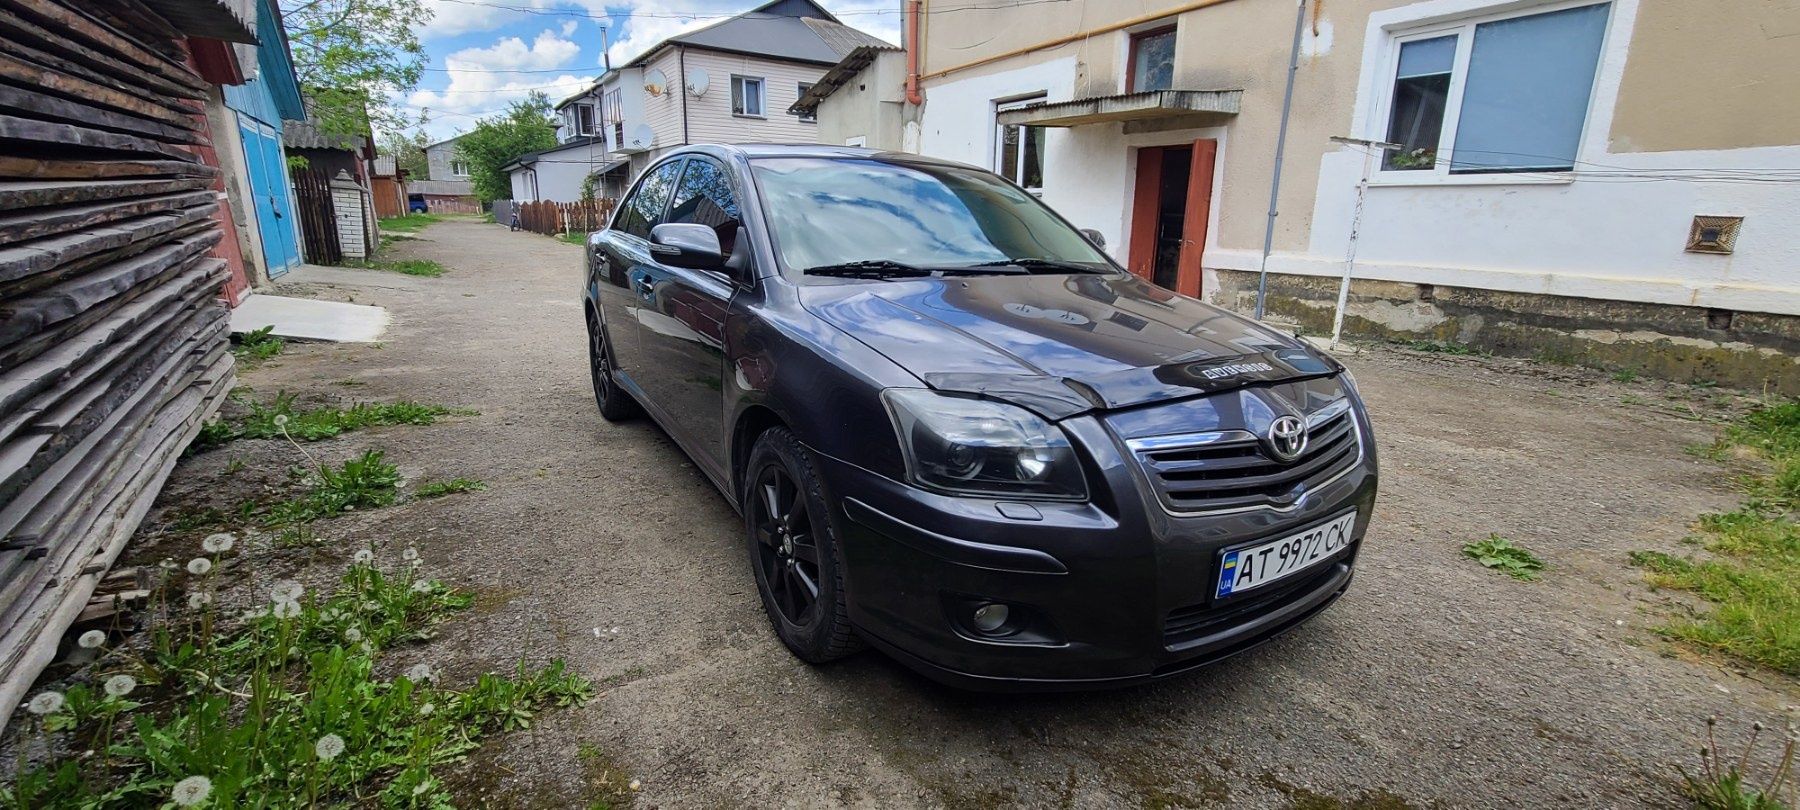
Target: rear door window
643,210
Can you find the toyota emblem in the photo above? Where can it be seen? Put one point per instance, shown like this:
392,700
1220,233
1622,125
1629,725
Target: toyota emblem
1287,438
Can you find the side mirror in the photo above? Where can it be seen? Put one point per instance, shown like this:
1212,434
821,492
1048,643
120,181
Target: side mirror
1095,237
686,244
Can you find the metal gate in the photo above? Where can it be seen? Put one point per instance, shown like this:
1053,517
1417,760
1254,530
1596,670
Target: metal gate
274,214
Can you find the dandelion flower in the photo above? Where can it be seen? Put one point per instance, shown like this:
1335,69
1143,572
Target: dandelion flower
120,685
199,600
422,586
362,556
636,784
285,609
46,703
427,709
352,635
191,791
420,673
281,420
92,639
286,590
198,566
328,747
218,543
409,554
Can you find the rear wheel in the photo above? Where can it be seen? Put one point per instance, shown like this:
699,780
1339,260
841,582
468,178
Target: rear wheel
615,404
796,559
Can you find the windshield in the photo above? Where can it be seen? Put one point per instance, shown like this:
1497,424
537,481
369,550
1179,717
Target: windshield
828,212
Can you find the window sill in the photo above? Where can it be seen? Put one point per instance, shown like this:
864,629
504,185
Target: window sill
747,115
1402,179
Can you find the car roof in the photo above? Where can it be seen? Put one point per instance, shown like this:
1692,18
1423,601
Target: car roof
753,151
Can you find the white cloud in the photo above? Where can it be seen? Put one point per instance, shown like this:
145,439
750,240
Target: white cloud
569,26
477,87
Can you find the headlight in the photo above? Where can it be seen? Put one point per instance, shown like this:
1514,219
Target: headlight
980,447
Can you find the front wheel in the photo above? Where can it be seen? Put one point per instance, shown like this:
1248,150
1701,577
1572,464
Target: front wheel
616,405
795,557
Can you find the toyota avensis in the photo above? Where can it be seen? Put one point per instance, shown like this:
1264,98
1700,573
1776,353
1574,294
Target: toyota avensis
957,431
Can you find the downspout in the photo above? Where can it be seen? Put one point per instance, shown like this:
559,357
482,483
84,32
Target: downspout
1287,106
681,87
912,53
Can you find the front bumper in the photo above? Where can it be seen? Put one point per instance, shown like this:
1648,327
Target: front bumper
1112,592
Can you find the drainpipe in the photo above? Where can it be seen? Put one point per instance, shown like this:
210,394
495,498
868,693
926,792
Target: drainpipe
1287,105
913,12
681,87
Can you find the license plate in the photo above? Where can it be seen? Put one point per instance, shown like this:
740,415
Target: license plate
1255,566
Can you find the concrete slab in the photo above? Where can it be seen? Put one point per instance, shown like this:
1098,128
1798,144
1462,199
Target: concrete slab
307,319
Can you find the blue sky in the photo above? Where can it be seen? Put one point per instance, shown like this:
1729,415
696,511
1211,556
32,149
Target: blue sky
485,53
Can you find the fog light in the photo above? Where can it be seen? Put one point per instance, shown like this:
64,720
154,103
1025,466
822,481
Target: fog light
991,617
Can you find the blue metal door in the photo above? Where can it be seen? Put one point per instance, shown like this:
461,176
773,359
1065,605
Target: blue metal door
269,195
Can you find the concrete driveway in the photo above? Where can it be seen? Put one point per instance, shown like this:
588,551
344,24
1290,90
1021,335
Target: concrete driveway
1434,682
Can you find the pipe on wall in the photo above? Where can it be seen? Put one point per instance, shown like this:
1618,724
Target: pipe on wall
913,13
1287,107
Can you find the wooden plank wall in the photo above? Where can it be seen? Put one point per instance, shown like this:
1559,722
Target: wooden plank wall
112,337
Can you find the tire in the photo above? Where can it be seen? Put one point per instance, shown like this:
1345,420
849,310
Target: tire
616,405
795,557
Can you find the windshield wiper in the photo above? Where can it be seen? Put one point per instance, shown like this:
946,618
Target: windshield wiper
871,268
1040,264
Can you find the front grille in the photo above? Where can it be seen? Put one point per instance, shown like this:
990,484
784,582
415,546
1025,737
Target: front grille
1194,622
1231,470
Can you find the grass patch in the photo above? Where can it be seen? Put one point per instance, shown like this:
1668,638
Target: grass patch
1751,579
283,707
365,482
1625,375
257,345
410,267
1499,553
438,489
409,223
574,237
315,424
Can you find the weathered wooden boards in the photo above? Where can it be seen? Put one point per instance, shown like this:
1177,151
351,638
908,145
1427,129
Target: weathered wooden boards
112,337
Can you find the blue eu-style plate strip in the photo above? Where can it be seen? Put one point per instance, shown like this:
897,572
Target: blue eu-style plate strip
1228,573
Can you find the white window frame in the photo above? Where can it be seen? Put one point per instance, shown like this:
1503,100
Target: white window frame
458,168
762,96
1464,27
999,145
592,120
806,118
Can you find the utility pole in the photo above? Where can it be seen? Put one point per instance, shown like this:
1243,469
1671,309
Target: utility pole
605,55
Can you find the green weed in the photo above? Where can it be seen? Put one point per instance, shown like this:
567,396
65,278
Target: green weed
1499,553
1723,784
410,267
438,489
365,482
257,345
574,237
315,424
1625,375
1444,347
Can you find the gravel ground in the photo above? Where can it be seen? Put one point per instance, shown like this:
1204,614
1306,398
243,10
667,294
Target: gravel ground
1434,682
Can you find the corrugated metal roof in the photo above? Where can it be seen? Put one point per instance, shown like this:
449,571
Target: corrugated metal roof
838,76
794,30
229,20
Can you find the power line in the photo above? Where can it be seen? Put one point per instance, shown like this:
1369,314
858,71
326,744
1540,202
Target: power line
679,15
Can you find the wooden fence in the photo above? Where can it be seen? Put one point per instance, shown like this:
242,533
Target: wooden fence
552,218
318,217
447,205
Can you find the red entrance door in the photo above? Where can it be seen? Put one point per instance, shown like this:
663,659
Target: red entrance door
1170,207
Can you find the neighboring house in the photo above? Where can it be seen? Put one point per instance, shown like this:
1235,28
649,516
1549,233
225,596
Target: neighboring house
247,120
113,334
861,101
387,187
446,186
1565,184
730,82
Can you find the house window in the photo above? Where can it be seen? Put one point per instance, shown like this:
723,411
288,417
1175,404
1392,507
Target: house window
1151,61
584,119
747,96
613,107
812,115
459,168
1019,150
1505,94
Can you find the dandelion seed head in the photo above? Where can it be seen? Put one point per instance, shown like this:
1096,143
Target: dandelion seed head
198,566
191,791
416,563
92,639
281,420
352,635
409,554
285,609
422,787
420,673
328,747
422,586
46,703
362,556
366,648
218,543
286,590
636,784
427,709
168,564
199,600
120,685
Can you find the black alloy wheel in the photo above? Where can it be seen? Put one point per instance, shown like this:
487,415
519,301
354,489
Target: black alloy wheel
615,404
793,553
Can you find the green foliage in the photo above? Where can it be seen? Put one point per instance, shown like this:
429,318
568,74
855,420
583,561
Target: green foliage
409,223
1723,784
365,482
408,152
315,424
1499,553
354,58
411,267
1752,576
257,345
438,489
286,709
574,237
1625,375
1444,347
526,126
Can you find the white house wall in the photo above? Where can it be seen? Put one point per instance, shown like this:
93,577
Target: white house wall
709,116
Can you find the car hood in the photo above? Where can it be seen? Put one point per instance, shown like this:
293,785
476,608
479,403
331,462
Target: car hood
1061,344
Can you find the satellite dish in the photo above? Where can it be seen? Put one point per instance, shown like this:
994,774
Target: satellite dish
697,81
642,136
655,82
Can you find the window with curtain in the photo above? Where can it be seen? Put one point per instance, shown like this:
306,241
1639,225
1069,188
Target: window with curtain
1019,150
1152,61
747,96
1496,95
